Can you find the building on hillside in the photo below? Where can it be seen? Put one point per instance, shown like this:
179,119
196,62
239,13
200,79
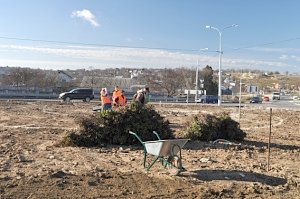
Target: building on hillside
4,71
126,84
253,89
135,73
64,77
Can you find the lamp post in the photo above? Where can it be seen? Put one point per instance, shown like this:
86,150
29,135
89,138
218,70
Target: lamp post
240,99
220,58
197,72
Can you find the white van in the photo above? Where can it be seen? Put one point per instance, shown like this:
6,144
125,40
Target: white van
276,95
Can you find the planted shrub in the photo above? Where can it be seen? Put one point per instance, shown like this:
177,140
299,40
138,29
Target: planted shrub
112,127
207,127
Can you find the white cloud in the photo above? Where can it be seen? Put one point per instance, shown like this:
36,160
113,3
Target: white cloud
279,50
296,58
284,57
260,49
87,16
290,57
103,57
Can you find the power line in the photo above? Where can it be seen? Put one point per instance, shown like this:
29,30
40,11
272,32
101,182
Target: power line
98,45
267,44
144,47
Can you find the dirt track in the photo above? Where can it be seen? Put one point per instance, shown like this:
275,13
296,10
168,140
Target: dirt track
33,166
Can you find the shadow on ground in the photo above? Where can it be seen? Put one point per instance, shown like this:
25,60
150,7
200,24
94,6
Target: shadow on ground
236,175
197,145
273,145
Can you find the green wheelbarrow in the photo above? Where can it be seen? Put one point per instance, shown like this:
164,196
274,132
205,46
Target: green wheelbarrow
164,151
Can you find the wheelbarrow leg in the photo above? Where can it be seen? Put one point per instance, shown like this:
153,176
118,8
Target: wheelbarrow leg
149,166
174,161
145,157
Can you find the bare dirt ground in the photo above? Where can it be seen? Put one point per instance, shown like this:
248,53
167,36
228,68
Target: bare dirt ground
33,166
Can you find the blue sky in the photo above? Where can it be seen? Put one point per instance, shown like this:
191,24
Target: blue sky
69,34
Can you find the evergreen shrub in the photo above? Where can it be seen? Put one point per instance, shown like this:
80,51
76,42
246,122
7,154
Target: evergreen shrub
207,127
112,127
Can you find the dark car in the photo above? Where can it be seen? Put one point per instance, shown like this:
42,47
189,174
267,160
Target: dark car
256,100
208,99
85,94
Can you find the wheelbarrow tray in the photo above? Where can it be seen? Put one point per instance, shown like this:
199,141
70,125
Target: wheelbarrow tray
164,148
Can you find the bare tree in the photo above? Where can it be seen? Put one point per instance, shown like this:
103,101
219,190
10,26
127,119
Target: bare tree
16,77
187,78
165,80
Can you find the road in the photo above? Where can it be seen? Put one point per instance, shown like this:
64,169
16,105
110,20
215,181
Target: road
286,102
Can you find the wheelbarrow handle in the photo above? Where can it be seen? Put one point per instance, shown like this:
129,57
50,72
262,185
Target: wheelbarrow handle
154,132
132,133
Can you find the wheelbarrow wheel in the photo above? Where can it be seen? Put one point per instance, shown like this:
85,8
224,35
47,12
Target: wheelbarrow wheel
175,161
173,170
174,166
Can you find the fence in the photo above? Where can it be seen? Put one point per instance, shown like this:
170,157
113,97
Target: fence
27,92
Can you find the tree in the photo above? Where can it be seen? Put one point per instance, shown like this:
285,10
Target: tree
17,76
210,86
165,80
188,78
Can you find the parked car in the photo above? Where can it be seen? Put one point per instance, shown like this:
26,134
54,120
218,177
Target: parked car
266,99
207,99
296,97
85,94
276,95
256,100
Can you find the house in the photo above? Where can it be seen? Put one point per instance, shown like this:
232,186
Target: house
4,71
108,82
64,77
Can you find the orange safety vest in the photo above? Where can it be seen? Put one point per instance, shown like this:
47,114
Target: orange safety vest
105,99
122,100
116,93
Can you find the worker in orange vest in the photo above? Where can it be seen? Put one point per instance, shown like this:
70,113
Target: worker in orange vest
120,101
105,99
117,92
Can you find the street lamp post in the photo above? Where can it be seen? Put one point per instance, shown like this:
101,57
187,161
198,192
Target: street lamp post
197,73
220,58
240,98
